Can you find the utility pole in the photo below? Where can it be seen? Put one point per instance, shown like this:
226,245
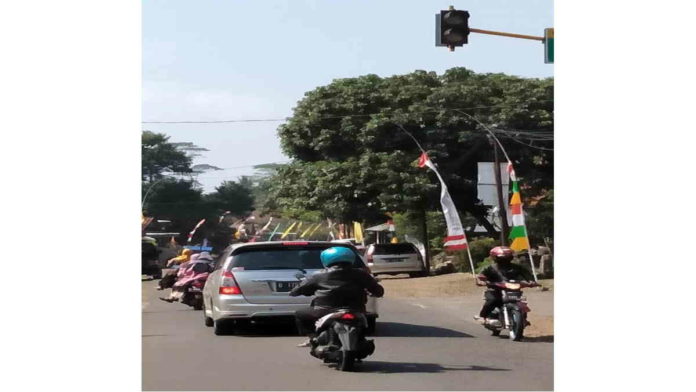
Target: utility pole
504,228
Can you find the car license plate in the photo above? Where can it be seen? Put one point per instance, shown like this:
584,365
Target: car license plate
395,260
286,286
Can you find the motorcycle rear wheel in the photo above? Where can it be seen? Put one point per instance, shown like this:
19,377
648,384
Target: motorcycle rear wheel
346,361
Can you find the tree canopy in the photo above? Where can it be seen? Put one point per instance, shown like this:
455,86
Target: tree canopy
179,200
352,161
158,155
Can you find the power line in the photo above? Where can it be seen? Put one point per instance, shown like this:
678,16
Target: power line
529,145
322,117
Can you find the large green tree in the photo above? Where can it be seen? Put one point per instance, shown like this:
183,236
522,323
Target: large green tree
352,161
158,155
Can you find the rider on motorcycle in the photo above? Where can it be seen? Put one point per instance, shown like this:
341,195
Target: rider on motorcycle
196,268
502,270
338,286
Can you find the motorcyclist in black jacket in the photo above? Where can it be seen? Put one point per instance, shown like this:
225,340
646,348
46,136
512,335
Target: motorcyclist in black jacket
340,285
502,270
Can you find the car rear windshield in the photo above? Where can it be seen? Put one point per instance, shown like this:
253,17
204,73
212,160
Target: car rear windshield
394,249
292,257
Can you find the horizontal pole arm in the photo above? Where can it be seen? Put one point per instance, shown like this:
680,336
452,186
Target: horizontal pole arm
507,34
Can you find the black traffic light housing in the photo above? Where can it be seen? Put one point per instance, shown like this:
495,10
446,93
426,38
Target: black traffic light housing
452,28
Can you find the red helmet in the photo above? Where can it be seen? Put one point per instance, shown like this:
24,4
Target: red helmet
502,253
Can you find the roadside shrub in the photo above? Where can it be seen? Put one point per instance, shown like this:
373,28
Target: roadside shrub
480,248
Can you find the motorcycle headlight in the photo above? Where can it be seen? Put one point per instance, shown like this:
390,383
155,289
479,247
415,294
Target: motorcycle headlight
512,286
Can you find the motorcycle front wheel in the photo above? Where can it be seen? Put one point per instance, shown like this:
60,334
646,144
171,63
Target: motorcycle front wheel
517,325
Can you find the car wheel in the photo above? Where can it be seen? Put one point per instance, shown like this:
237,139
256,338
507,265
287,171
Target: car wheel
223,327
208,320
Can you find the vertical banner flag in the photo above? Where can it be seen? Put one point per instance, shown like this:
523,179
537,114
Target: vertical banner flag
357,228
264,228
456,238
286,232
199,224
330,225
518,232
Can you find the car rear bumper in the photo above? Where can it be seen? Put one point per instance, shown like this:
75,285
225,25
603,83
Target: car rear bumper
401,267
236,307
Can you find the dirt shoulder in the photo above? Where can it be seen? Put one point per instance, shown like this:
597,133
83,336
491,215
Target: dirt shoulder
459,291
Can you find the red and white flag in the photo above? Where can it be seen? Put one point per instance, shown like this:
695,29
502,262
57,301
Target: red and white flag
190,236
456,239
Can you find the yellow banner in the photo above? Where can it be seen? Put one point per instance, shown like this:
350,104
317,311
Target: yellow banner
286,232
315,229
357,230
519,243
304,233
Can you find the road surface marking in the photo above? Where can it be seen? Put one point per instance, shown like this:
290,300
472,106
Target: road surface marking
419,305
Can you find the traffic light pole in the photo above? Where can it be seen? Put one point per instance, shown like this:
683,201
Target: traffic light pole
489,32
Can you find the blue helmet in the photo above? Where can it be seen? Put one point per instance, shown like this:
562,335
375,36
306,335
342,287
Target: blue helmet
337,254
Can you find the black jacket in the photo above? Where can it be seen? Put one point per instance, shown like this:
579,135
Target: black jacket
505,272
340,287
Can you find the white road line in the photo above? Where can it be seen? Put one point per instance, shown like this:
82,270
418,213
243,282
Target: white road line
419,305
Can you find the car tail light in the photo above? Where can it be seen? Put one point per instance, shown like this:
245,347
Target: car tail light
295,243
348,316
230,290
229,284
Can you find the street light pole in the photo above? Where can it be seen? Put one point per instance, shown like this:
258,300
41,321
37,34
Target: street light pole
142,204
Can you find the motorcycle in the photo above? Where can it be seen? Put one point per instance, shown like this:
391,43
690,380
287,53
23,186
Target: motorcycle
341,339
193,285
512,315
193,294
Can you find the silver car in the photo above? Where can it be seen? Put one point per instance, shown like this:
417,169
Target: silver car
395,259
252,281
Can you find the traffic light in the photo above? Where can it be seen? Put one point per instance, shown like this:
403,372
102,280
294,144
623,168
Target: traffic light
548,46
452,28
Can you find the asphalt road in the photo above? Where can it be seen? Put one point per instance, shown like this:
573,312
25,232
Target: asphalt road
421,345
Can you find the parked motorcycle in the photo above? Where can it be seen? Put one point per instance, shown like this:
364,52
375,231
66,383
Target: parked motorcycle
341,339
512,316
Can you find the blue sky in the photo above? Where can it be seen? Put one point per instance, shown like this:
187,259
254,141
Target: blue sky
224,60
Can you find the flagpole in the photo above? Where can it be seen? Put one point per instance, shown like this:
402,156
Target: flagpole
529,250
471,260
529,245
468,251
